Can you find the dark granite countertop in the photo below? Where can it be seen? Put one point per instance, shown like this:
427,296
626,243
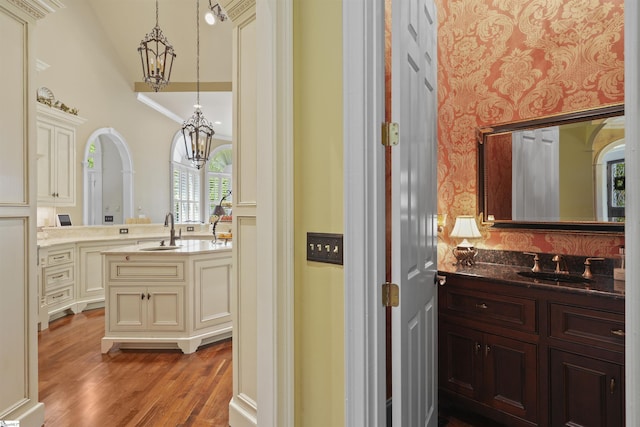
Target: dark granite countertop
600,285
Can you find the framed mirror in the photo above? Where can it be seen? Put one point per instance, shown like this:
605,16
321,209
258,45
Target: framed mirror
562,172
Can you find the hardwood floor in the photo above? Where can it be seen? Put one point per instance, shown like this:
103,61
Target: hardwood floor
82,387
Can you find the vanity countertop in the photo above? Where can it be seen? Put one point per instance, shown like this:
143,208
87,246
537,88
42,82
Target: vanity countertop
599,286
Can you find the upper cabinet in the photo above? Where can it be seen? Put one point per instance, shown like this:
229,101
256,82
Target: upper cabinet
56,156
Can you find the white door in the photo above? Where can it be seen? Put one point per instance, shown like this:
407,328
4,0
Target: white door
536,174
414,213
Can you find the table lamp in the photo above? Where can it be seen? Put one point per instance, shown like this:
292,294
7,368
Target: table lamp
465,228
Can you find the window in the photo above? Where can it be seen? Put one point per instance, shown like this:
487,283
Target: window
615,190
190,202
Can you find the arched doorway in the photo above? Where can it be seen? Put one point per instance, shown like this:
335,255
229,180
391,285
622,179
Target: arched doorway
108,179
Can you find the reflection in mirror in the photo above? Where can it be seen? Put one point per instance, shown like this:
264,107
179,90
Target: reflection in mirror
565,169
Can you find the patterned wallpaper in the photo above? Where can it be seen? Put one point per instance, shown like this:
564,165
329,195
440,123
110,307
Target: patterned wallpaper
506,60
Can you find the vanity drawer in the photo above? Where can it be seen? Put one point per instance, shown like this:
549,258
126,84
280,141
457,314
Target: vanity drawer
503,310
59,297
55,277
583,325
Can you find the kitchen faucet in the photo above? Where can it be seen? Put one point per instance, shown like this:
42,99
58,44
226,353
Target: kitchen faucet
172,233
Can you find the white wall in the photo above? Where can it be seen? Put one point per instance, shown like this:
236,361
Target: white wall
86,73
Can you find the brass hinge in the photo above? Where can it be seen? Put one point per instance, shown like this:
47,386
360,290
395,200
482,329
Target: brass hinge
390,295
390,134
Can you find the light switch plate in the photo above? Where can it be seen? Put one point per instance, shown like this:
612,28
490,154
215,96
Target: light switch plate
325,247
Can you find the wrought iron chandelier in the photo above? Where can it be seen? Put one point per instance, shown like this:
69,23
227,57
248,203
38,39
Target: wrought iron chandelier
197,132
156,54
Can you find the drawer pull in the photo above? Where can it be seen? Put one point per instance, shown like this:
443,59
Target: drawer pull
482,306
612,385
57,296
58,257
618,332
57,276
148,296
141,296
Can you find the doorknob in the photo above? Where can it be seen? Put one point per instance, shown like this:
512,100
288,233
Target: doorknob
439,279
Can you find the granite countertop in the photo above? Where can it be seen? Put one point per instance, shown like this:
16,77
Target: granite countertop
600,284
183,247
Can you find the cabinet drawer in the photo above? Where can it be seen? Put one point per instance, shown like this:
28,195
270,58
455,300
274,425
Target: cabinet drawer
59,297
504,310
146,271
587,326
58,276
60,256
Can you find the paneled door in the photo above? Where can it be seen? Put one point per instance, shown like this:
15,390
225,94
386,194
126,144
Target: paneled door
414,213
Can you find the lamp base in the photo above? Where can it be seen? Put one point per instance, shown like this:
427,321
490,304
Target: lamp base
465,255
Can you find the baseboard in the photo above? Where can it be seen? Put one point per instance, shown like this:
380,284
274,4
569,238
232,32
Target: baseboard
32,417
239,416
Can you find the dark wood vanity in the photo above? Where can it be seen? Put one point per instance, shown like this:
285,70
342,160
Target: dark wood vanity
527,352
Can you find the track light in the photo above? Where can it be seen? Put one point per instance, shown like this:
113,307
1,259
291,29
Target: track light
214,14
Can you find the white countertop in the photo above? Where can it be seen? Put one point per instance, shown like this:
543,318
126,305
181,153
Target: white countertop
183,247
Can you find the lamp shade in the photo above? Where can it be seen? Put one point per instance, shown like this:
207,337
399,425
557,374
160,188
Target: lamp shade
465,228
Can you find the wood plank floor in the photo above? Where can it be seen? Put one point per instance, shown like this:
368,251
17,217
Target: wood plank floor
82,387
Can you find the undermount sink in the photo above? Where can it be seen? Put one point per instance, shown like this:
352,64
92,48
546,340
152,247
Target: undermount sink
552,276
160,248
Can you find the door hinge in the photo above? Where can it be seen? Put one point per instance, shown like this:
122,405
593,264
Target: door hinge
390,134
390,295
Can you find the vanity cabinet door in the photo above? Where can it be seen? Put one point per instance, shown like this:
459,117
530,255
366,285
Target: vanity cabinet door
460,365
585,391
127,308
510,381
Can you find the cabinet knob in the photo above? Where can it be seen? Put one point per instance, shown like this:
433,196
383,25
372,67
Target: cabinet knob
612,385
477,347
487,349
148,296
482,306
141,296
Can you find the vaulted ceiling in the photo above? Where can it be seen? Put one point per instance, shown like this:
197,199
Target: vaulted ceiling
126,22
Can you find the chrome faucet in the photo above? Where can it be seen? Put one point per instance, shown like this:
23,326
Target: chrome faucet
172,233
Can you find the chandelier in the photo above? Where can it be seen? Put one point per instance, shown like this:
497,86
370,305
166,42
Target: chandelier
197,132
156,54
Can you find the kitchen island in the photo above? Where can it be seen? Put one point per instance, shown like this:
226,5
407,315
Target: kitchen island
167,297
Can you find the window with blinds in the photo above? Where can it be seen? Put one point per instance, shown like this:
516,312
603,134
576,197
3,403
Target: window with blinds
186,193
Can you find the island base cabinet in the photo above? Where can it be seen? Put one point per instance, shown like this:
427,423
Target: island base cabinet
146,308
497,372
585,391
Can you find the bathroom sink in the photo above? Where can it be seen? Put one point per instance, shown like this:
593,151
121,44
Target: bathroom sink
160,248
555,277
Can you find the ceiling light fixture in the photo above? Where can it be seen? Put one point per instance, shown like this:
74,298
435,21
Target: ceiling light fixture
214,13
197,132
156,54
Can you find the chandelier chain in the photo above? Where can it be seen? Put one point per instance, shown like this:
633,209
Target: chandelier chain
157,24
197,52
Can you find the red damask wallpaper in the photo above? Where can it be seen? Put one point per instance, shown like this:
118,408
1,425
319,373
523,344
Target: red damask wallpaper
506,60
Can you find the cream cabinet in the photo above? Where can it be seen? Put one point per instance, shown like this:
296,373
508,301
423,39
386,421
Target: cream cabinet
140,308
57,281
167,299
56,154
90,280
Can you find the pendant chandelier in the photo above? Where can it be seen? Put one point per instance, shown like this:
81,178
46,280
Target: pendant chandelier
156,54
197,132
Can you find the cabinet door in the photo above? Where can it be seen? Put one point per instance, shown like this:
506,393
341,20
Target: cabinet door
585,391
510,381
165,308
65,166
127,308
460,366
45,165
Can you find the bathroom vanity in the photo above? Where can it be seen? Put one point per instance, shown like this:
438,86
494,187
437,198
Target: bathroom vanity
529,352
167,296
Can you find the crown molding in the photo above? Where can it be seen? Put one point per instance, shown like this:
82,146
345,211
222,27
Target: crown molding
236,8
38,9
